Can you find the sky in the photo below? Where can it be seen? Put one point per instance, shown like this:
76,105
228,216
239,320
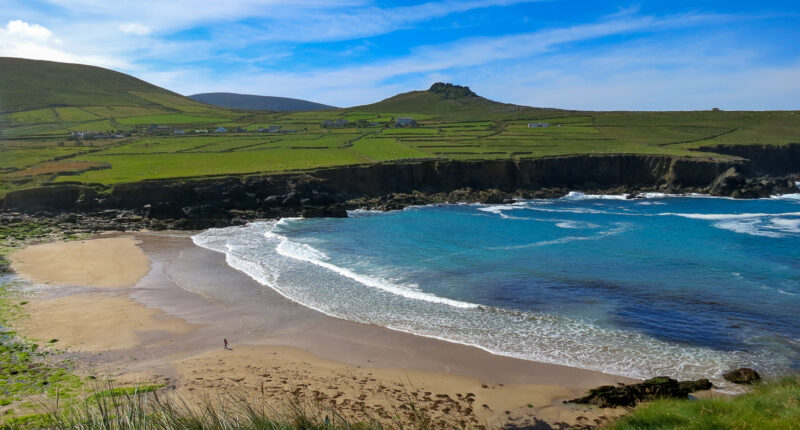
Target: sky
598,55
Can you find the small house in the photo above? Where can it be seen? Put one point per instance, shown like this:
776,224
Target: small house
221,130
179,131
405,122
538,124
274,128
341,122
202,131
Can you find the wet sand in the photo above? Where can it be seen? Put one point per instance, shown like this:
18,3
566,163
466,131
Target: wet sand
168,323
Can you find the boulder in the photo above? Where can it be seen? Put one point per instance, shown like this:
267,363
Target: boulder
744,375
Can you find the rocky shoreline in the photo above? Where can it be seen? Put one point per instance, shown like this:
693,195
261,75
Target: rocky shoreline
190,204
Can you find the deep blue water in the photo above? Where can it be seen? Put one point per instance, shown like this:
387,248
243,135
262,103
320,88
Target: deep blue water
683,286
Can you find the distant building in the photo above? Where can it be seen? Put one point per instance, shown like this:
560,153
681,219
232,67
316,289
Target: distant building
404,121
274,128
179,131
715,109
203,131
341,122
538,124
221,130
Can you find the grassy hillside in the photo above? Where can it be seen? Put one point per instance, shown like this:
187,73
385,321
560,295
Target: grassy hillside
251,102
52,99
454,123
454,102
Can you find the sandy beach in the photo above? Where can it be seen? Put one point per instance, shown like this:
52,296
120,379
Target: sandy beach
155,307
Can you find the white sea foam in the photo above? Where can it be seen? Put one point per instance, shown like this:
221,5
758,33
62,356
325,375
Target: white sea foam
714,217
619,228
575,225
301,273
751,227
577,195
787,225
309,254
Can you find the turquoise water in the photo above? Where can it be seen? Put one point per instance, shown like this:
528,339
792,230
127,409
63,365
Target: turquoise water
679,286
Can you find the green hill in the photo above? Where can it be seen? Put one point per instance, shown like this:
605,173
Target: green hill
31,84
44,97
450,101
43,102
252,102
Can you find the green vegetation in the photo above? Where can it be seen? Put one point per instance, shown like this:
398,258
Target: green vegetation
125,391
773,405
25,368
44,102
141,408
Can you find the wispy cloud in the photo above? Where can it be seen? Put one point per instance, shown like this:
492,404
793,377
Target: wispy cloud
431,59
349,52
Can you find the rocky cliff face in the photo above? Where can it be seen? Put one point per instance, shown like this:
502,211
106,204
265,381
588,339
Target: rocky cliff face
330,192
768,160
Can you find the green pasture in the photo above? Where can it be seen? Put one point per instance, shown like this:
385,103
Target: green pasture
170,119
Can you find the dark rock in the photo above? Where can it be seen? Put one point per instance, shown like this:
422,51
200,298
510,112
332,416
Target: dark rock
333,211
698,385
610,396
744,375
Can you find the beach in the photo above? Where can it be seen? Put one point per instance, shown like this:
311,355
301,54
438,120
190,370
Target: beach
155,308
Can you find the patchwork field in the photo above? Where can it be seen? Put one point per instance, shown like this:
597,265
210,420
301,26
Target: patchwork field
310,145
39,115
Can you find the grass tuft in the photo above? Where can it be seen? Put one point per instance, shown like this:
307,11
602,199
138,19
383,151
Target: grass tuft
772,405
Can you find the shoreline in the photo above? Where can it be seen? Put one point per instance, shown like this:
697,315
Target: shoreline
179,312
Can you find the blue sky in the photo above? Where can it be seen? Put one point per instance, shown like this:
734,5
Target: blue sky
646,55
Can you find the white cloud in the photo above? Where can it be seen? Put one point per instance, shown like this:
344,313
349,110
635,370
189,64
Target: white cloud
135,28
20,30
24,40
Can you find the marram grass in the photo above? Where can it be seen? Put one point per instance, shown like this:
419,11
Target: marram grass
770,406
144,408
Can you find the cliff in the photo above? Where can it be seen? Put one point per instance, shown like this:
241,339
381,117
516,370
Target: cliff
207,202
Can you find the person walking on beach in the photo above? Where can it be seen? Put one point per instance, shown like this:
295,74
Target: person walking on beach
225,342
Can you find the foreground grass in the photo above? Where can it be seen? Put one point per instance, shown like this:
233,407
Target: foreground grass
774,405
142,409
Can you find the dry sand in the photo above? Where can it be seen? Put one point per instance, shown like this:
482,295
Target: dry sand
112,262
173,320
283,375
97,322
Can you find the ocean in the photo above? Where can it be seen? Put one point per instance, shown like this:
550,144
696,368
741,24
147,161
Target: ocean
682,286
